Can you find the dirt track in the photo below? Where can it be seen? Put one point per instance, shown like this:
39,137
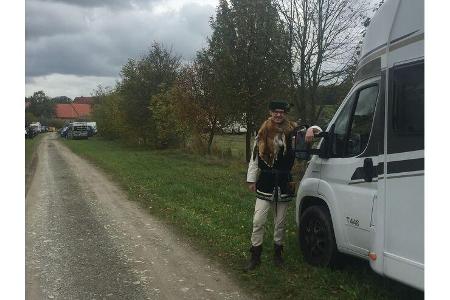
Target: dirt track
85,240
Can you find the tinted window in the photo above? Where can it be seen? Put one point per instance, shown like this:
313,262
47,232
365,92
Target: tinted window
362,120
408,106
353,125
341,129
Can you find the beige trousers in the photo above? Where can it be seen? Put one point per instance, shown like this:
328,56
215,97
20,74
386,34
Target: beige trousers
260,217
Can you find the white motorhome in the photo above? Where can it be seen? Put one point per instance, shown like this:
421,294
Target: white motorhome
363,191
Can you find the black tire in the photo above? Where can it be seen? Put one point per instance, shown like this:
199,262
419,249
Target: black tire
316,237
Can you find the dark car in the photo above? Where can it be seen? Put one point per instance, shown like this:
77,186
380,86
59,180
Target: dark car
29,133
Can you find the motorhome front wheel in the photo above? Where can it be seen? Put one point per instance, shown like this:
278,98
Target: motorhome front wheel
316,236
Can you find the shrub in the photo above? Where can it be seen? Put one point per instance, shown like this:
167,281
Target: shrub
170,132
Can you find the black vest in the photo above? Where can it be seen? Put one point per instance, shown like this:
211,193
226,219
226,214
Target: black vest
273,183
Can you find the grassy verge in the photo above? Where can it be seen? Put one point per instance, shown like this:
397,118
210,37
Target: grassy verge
30,161
30,147
206,200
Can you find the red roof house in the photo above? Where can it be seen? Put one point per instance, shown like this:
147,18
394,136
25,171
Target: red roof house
72,111
83,100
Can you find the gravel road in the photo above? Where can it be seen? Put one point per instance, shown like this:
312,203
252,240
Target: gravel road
86,240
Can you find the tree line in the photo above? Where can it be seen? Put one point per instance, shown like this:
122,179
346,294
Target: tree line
302,51
42,108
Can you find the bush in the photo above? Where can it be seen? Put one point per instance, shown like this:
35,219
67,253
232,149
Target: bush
170,132
108,116
197,144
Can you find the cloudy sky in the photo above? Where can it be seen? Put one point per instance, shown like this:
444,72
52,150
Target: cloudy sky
72,46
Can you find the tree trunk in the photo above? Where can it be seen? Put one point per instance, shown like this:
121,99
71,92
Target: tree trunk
317,115
248,137
211,136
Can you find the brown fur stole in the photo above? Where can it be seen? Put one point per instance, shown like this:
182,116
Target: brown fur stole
271,136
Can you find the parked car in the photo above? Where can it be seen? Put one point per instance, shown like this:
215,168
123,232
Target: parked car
29,132
77,130
234,128
36,126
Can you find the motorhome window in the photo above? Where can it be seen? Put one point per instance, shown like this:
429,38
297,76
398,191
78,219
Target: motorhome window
353,124
362,120
408,110
341,129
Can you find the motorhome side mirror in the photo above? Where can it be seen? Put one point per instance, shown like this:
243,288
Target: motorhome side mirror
323,151
300,146
302,149
327,143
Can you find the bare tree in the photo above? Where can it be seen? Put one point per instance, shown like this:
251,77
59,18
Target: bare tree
324,35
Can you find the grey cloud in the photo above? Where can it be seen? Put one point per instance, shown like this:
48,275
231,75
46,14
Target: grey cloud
101,3
48,19
98,42
79,55
29,79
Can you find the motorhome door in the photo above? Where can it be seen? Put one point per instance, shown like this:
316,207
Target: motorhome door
345,171
404,208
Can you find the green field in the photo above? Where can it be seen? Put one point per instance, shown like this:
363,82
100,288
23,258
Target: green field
231,143
204,198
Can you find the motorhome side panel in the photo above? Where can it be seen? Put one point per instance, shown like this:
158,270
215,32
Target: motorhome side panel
404,211
399,210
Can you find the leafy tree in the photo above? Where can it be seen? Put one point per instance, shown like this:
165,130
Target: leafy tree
212,92
252,45
40,105
219,59
107,113
170,132
142,79
38,97
30,118
187,110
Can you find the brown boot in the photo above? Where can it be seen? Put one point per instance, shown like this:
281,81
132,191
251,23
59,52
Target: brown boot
277,259
255,259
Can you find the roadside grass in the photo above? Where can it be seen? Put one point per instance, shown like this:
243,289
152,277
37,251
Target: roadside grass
30,147
205,199
30,160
